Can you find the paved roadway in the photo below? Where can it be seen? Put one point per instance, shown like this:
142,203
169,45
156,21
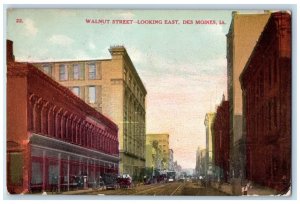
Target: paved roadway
164,189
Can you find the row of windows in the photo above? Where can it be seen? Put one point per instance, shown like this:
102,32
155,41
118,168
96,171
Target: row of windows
92,93
62,125
76,71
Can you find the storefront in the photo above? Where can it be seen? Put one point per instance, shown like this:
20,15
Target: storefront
58,165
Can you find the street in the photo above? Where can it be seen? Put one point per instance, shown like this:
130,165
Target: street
164,189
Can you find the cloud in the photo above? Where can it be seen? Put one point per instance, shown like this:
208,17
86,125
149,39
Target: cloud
62,40
31,30
92,46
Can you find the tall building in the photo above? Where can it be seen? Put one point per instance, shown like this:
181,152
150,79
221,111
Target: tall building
243,34
163,144
53,137
208,122
221,143
114,88
266,84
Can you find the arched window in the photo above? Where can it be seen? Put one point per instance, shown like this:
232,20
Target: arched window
37,117
58,123
51,121
63,123
44,118
32,100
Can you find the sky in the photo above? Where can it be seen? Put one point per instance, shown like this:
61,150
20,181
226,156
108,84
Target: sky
183,66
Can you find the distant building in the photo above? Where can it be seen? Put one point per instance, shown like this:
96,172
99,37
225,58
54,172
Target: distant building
154,156
242,36
178,169
163,144
203,164
222,141
114,88
201,168
53,137
171,160
266,84
208,122
197,167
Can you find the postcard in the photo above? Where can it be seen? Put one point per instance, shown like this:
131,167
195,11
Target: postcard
148,102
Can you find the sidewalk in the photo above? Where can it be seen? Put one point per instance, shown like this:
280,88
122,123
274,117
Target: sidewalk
252,189
73,192
225,187
258,190
80,192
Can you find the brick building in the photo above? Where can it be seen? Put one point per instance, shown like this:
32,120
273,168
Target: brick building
222,141
114,88
53,137
266,85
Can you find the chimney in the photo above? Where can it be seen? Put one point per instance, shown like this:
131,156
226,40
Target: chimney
9,51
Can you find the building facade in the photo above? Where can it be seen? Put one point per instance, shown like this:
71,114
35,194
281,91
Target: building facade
162,141
53,137
222,142
171,160
197,167
200,169
154,157
242,36
266,84
203,164
114,88
208,122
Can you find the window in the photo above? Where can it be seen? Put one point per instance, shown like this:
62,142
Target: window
76,91
92,71
63,72
76,71
47,69
92,94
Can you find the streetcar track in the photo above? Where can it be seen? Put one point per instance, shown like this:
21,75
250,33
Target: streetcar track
176,189
155,187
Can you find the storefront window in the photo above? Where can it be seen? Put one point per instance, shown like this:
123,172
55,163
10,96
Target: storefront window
53,173
37,173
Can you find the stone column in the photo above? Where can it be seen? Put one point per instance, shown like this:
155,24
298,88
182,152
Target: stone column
59,172
44,170
68,174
